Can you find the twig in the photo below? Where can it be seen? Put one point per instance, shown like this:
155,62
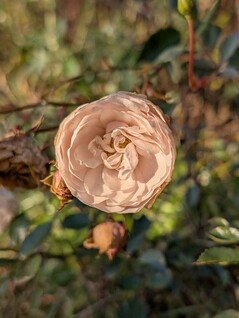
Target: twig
15,108
97,72
46,129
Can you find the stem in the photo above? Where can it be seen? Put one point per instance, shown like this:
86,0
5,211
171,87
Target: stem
191,78
46,129
15,108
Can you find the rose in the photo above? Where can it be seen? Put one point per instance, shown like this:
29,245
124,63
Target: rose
116,154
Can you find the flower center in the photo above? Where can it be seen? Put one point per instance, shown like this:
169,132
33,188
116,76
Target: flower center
123,144
108,144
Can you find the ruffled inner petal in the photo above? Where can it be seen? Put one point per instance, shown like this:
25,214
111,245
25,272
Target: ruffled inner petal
129,162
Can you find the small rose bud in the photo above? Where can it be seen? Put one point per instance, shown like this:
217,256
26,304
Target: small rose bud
186,7
58,187
108,237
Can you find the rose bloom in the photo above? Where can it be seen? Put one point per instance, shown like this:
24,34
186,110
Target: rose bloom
117,153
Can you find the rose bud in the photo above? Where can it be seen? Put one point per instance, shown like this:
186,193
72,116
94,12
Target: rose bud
108,237
116,154
58,187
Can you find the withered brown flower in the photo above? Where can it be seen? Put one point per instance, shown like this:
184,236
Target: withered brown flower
58,187
22,163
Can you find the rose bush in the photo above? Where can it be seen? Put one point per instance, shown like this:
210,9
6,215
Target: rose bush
117,153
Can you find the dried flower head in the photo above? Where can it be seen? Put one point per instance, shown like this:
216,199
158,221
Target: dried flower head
58,187
22,163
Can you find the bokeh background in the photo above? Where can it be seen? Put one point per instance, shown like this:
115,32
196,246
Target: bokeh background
58,54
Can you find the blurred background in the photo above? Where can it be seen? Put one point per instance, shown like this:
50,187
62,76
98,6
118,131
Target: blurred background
58,54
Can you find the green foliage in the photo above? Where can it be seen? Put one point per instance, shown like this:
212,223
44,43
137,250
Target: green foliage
229,46
36,237
18,228
70,52
153,258
159,42
135,308
224,235
219,255
76,221
230,313
205,23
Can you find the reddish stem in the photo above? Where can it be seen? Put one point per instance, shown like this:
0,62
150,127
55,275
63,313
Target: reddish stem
191,78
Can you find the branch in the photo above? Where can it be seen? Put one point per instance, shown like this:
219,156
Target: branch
11,108
46,129
99,72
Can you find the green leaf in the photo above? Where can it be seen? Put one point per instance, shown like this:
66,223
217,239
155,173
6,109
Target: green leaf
225,235
193,195
134,242
219,255
8,261
234,60
136,237
131,282
204,67
18,228
170,54
159,280
228,46
211,35
229,313
76,221
159,42
153,258
141,225
208,18
113,267
218,221
229,72
36,237
133,308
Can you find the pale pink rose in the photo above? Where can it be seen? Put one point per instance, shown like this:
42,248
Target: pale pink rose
117,153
